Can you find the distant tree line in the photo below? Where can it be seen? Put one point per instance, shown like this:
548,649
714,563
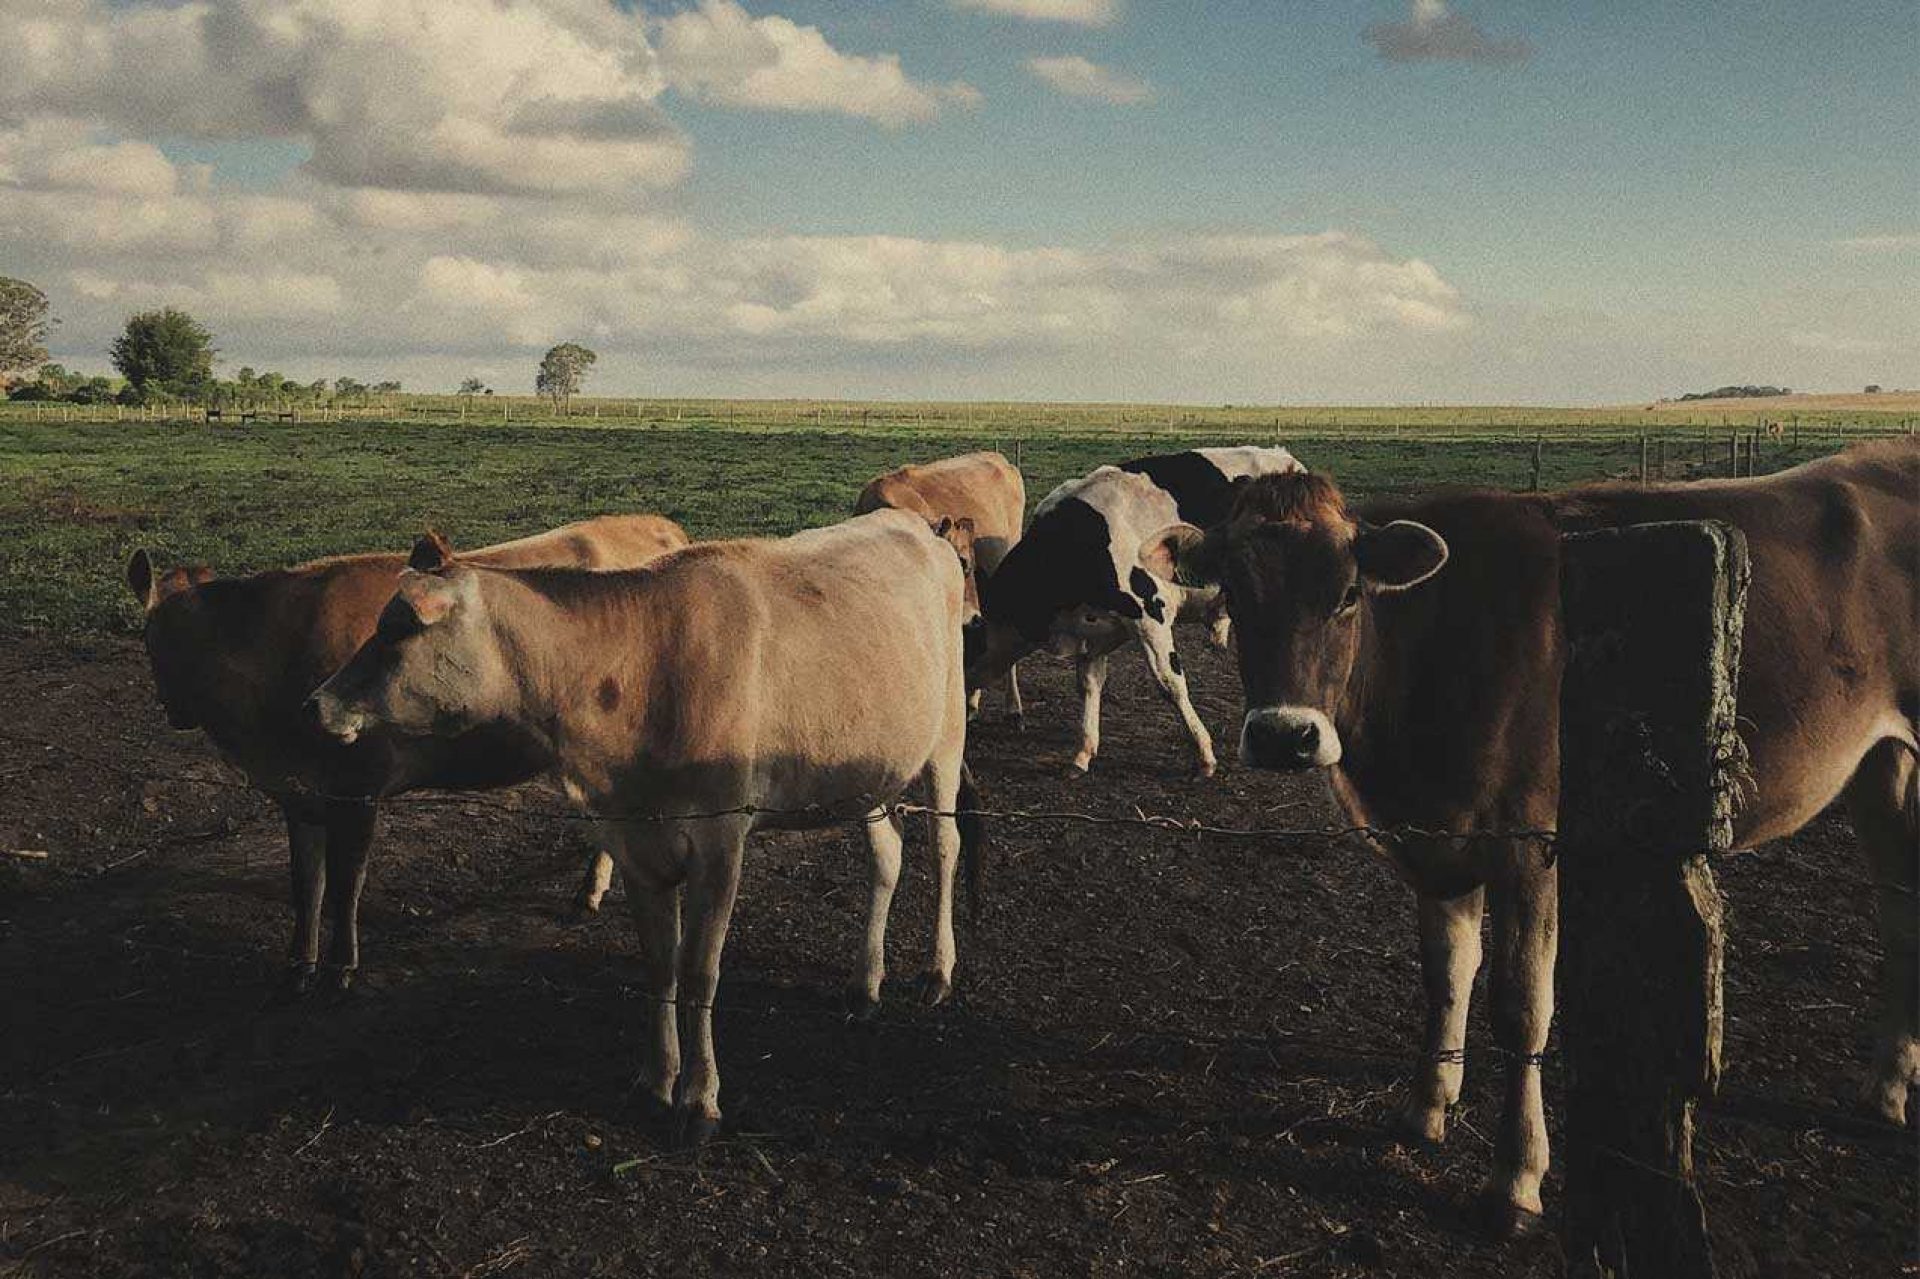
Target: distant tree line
1738,393
167,357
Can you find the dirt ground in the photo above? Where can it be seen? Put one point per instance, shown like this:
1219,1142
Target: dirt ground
1165,1055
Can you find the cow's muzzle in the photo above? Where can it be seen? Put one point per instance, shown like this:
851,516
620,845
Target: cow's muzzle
334,717
1288,739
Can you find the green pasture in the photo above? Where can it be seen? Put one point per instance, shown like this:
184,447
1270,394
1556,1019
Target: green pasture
77,497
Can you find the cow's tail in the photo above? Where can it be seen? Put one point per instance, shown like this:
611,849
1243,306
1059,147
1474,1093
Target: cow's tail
973,841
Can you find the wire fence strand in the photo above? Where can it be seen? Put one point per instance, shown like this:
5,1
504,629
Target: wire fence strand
853,809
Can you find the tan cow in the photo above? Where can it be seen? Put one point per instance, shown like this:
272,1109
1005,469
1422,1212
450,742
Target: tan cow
238,657
732,687
984,497
1413,650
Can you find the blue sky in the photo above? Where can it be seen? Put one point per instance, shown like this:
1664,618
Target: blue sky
1652,198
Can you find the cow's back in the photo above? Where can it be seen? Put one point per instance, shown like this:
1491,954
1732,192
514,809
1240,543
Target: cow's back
603,542
838,646
983,487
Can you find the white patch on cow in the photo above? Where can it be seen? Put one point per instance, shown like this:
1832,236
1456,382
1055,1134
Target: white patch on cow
1286,721
1135,508
1251,459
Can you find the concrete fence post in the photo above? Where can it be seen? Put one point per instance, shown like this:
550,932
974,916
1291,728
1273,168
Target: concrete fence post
1650,770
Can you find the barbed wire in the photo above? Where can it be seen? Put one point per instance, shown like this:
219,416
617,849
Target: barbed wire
853,809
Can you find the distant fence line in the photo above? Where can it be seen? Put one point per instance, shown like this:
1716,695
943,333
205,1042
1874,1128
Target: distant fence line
1660,426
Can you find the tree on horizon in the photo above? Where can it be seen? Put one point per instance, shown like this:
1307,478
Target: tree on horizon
562,369
167,352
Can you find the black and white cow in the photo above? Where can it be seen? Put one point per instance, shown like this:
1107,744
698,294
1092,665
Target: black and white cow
1075,582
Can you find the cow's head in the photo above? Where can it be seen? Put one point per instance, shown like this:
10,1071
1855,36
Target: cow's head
1299,573
958,533
433,666
175,633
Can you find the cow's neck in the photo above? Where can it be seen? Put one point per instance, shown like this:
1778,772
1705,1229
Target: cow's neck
580,648
1370,710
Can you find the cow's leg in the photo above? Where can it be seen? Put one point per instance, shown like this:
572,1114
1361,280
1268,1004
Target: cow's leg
653,898
1219,625
1449,958
593,885
307,844
883,847
713,881
1884,799
943,786
1525,908
1016,711
349,838
973,702
1090,666
1156,639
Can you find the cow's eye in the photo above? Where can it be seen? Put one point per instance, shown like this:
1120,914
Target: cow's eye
1351,598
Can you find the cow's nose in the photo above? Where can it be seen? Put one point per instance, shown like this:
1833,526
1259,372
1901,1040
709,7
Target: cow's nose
326,714
1284,740
1276,745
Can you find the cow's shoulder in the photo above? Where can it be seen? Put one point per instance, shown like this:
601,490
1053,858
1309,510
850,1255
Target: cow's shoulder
1199,481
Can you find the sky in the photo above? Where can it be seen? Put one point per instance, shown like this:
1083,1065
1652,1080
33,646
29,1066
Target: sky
1236,201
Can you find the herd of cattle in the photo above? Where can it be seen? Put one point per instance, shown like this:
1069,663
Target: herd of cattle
688,694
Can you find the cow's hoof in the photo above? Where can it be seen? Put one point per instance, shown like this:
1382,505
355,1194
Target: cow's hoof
1017,722
339,983
1204,771
1888,1102
579,911
654,1116
692,1130
861,1007
1418,1127
1503,1221
1075,771
296,983
934,989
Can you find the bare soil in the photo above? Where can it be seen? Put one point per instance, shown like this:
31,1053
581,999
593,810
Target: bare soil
1166,1054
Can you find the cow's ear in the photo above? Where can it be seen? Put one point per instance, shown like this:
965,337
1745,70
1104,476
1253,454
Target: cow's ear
942,526
1399,555
965,525
431,597
144,582
1180,553
431,553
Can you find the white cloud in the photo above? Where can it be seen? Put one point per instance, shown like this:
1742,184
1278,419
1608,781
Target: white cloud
1902,243
1434,33
1085,13
1077,77
470,197
450,95
722,54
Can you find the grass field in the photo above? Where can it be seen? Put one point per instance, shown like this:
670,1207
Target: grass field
77,497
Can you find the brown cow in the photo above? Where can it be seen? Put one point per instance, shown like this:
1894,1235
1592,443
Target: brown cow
1414,651
237,658
734,686
985,497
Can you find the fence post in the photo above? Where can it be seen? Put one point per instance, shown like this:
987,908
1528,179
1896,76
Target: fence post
1649,765
1733,455
1643,458
1539,458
